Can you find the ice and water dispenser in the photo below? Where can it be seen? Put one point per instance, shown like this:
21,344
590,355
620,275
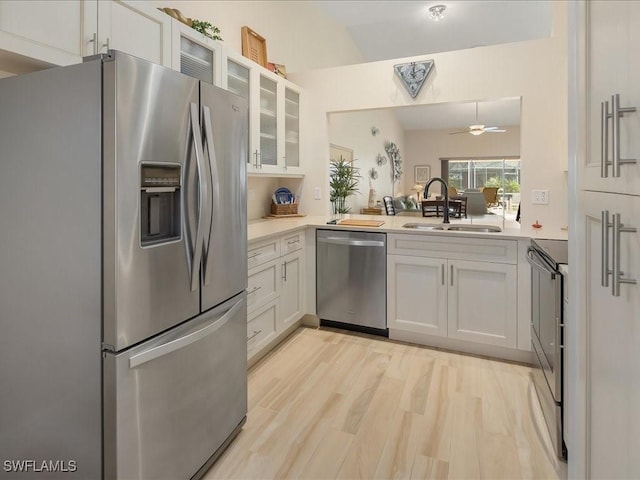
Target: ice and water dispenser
160,203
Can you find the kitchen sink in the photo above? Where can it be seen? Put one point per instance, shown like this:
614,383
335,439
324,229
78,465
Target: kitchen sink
474,228
453,228
423,226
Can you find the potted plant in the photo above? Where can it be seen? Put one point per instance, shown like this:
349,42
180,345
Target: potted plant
343,181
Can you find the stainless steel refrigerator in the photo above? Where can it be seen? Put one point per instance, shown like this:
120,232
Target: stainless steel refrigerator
122,271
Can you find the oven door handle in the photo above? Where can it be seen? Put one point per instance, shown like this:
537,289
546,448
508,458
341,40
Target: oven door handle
532,255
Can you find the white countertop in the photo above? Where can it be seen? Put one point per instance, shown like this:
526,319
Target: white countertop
263,228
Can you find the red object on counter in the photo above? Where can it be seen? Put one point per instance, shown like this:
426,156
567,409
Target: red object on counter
536,225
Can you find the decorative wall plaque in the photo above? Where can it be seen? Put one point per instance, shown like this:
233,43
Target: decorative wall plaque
413,75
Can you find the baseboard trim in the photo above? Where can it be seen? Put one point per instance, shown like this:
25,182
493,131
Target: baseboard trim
491,351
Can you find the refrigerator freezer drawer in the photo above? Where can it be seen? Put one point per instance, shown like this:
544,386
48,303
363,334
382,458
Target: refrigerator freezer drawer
170,403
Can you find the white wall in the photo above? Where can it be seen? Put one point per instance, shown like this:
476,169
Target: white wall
297,35
260,191
353,130
427,147
535,70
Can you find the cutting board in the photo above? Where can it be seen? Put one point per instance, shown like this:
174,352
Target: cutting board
361,223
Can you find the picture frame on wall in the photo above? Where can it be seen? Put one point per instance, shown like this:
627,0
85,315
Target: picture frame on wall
422,173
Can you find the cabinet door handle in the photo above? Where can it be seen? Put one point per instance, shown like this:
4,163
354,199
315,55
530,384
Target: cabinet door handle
94,40
257,164
616,113
604,250
451,266
106,45
442,274
619,228
284,271
604,139
255,333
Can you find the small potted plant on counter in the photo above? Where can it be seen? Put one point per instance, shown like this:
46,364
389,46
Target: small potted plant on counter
343,182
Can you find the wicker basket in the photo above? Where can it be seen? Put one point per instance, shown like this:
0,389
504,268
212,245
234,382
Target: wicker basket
284,208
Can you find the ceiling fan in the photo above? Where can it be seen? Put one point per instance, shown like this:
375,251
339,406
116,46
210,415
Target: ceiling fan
479,129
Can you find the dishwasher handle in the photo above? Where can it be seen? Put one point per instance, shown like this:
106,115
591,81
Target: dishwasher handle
351,242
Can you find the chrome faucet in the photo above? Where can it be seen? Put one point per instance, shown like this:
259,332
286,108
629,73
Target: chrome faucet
446,196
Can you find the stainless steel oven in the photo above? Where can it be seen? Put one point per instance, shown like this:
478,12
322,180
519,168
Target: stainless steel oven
547,332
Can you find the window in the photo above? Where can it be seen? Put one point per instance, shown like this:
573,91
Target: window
472,173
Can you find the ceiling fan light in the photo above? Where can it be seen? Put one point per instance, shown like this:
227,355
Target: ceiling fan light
476,129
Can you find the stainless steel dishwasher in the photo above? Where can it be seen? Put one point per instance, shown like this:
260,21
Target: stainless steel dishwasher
351,276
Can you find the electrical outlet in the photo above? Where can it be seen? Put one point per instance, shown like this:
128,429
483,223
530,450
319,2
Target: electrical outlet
540,197
317,193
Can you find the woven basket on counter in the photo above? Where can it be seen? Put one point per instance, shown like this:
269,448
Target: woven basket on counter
284,208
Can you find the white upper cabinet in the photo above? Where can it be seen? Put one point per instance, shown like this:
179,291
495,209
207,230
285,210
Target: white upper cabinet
62,33
136,29
274,116
195,55
274,124
610,52
59,33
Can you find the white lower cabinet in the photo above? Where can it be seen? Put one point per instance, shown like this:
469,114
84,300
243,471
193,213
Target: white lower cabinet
262,327
292,288
417,294
474,301
275,293
482,302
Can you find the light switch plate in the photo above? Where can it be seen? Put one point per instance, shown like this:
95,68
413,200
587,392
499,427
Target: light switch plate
317,194
540,197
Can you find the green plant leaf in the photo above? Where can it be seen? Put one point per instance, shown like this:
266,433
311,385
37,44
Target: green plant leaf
207,29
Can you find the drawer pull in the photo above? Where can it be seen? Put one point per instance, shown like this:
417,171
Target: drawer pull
291,242
255,333
253,290
254,255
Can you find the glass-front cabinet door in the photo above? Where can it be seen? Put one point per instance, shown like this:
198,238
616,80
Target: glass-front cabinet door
197,56
268,122
292,128
238,79
274,116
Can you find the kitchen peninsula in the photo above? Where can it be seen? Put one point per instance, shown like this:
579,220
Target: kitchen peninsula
460,290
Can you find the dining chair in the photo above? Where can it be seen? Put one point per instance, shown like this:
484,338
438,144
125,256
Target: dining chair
462,210
388,205
490,196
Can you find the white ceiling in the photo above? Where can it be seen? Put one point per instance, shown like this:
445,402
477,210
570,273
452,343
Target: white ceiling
495,113
385,30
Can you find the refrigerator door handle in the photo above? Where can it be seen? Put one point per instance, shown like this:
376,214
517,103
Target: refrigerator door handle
215,191
185,341
202,198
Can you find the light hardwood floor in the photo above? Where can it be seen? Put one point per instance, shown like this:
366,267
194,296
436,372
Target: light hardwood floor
329,404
